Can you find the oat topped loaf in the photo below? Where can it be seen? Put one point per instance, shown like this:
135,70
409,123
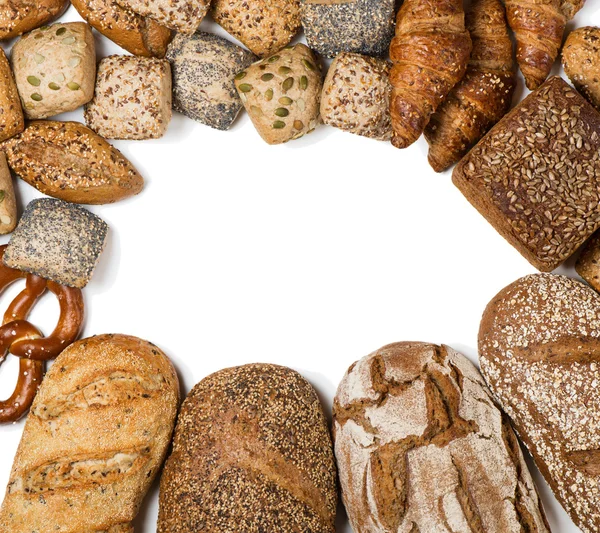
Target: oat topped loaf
204,66
539,351
422,447
95,439
183,16
360,26
18,17
252,452
55,69
536,175
264,26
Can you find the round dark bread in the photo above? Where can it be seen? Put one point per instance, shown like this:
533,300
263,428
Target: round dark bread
252,453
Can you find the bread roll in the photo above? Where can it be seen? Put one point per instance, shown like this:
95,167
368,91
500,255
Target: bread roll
421,446
94,440
252,453
18,17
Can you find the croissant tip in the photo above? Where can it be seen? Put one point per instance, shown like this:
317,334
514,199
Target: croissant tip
401,142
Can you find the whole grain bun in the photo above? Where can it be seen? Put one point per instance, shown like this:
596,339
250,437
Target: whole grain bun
252,453
421,446
22,16
97,434
139,35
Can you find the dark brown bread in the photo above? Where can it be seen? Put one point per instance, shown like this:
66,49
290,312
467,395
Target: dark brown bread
536,175
421,446
252,453
540,355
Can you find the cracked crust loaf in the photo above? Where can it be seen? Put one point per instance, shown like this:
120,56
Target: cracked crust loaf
97,434
252,454
421,446
540,355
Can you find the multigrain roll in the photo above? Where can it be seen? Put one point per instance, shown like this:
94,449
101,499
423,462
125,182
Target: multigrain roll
421,446
252,453
97,434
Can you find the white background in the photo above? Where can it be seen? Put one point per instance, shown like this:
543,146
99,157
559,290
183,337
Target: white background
311,255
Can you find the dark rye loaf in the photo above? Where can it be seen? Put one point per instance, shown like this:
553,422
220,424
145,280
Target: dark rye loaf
252,454
421,447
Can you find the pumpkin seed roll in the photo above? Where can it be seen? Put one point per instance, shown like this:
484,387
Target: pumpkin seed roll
55,69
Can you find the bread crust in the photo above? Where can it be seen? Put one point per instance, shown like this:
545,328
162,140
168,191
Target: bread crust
12,119
421,446
540,355
252,453
94,440
20,16
581,63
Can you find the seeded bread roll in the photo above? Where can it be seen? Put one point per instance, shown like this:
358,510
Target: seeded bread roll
95,438
252,452
69,161
264,26
132,99
282,94
183,16
588,263
421,446
204,66
360,26
12,120
356,96
18,17
8,203
55,69
540,355
582,62
142,36
536,175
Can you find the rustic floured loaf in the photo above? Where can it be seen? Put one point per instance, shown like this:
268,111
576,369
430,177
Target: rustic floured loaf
421,446
536,175
540,355
17,17
95,438
252,453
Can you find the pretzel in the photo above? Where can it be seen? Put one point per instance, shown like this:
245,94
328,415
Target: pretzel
24,340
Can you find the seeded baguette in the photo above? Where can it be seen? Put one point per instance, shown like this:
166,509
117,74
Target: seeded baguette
95,438
142,36
68,161
22,16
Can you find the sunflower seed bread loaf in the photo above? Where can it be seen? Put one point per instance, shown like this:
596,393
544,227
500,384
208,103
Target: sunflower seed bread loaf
252,452
55,69
12,120
204,66
282,94
536,175
183,16
22,16
95,438
421,446
142,36
356,96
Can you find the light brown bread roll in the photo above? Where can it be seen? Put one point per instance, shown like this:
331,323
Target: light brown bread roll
252,453
421,447
94,440
21,16
581,59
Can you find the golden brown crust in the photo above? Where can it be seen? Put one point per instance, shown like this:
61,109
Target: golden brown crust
588,262
68,161
570,8
20,16
252,452
430,53
139,35
96,436
12,119
539,26
540,356
484,95
581,59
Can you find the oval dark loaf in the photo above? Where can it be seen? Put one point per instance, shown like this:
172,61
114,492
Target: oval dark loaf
252,453
421,446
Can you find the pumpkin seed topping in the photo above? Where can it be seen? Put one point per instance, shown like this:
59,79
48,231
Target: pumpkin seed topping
266,77
287,84
303,83
278,125
73,86
37,97
245,87
286,100
61,31
241,75
33,80
282,112
269,95
54,86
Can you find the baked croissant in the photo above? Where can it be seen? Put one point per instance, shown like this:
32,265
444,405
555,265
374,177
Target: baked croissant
484,95
539,26
430,53
570,8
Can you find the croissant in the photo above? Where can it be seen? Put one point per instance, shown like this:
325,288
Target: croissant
484,95
570,8
430,53
539,26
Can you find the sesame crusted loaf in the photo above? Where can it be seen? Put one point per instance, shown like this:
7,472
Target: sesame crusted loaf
139,35
540,355
536,175
183,16
18,17
421,446
252,453
95,438
71,162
